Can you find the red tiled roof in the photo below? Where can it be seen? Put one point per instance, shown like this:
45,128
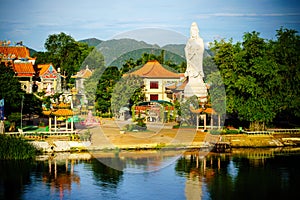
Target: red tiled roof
17,51
23,69
153,69
44,69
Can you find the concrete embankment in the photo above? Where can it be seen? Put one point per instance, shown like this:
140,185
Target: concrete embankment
108,136
60,146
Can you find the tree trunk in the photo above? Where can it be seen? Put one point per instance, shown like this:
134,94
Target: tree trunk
257,126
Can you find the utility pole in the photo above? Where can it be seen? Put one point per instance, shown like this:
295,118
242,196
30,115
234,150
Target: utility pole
22,112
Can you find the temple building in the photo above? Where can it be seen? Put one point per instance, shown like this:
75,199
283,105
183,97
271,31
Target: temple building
156,78
50,79
80,77
19,58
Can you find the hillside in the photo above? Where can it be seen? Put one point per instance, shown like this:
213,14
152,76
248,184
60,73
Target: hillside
91,41
175,48
113,49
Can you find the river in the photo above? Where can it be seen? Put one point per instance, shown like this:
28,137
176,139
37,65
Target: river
241,174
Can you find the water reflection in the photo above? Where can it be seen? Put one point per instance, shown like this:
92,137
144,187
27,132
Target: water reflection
242,174
13,176
138,161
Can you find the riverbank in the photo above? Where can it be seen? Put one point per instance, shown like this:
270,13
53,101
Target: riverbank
109,136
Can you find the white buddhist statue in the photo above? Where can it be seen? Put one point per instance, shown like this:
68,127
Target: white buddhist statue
194,50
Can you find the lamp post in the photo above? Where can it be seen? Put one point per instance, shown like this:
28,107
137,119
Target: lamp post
22,112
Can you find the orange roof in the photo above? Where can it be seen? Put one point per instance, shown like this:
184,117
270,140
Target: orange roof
61,105
46,112
46,69
84,73
24,69
17,51
207,110
63,112
153,69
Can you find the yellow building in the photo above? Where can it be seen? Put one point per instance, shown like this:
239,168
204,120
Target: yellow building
156,78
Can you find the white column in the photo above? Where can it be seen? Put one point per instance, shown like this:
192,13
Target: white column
55,124
50,124
66,123
72,125
204,122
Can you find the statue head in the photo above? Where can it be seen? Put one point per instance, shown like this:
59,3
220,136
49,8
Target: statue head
194,30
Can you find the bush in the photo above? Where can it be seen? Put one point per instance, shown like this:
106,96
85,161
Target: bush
15,148
106,115
215,132
232,131
132,127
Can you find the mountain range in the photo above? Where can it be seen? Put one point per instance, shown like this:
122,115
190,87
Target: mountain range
116,51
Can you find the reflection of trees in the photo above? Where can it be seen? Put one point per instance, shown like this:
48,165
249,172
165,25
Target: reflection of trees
244,175
13,176
108,176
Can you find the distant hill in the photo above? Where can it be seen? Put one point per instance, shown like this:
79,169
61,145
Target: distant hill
91,41
136,54
116,51
31,51
113,49
175,48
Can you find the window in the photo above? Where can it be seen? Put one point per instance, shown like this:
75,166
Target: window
153,97
153,84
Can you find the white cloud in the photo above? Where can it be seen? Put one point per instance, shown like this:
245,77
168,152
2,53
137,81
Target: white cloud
203,16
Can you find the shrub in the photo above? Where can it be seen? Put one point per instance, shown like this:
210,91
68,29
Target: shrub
15,148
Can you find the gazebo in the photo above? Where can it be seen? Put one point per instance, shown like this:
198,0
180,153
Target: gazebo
63,110
201,112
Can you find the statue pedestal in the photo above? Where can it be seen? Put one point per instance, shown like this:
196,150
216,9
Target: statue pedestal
196,86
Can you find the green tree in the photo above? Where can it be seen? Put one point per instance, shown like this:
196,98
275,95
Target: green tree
94,59
10,90
64,52
105,88
286,51
127,91
250,75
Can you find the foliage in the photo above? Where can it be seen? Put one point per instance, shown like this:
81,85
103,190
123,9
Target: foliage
10,89
258,82
139,126
94,60
65,53
14,148
105,88
139,57
217,94
186,106
286,51
128,91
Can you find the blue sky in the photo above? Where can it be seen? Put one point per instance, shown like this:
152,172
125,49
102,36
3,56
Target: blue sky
31,21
